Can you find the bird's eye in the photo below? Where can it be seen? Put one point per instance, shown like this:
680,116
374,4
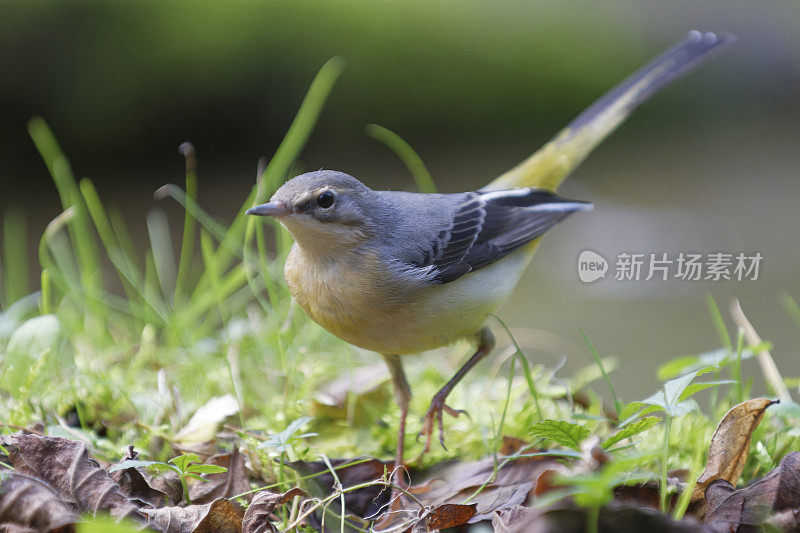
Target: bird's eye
325,200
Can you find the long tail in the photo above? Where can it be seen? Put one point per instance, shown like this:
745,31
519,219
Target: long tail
554,161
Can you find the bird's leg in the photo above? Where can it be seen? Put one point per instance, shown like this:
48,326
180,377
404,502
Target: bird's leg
438,406
402,393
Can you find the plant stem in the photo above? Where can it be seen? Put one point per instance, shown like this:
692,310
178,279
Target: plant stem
185,489
665,461
592,519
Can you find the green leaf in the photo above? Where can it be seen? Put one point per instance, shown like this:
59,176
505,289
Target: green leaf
280,441
674,389
642,411
630,410
639,426
206,469
694,388
164,467
657,399
182,461
561,432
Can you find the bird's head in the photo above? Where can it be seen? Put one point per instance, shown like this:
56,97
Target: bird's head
321,210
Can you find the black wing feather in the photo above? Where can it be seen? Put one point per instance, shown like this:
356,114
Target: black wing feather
489,225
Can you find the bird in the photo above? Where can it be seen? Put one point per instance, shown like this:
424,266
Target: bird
400,272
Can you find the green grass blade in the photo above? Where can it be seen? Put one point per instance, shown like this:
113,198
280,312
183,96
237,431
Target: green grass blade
54,256
163,254
303,124
189,226
202,303
289,149
79,229
192,208
599,361
719,323
128,274
47,289
122,261
407,154
525,368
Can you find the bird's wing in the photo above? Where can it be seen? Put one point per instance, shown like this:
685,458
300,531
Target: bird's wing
558,158
486,226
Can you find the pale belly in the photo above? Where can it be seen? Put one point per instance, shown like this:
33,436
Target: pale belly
366,307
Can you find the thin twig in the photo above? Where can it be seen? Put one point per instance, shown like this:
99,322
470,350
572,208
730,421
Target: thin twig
338,487
287,482
354,488
765,360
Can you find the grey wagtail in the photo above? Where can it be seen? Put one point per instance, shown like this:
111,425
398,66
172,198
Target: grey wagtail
402,272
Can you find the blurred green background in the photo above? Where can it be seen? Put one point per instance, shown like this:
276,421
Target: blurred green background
711,164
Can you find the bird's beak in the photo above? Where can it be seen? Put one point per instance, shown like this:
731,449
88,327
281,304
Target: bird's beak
272,209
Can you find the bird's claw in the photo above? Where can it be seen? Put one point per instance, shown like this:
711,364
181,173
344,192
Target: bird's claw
436,414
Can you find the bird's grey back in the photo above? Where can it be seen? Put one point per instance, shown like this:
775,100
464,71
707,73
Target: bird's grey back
405,218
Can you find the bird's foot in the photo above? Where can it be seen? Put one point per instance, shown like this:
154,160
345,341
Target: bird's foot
436,414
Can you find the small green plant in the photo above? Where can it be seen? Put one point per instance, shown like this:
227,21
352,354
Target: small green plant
673,400
185,466
281,441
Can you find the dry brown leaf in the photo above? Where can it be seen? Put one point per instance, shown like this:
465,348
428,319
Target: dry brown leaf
137,483
549,478
77,478
223,485
260,511
513,483
753,505
512,445
450,515
730,444
221,515
647,494
457,483
29,502
168,483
